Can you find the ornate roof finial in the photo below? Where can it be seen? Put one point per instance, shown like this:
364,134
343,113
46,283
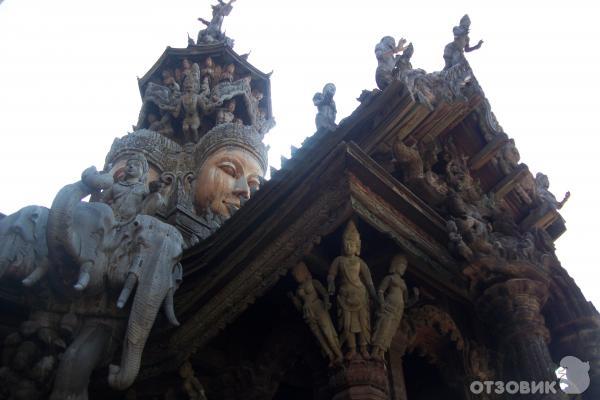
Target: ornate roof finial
212,33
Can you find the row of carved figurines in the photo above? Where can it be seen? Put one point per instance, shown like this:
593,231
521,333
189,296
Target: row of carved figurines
349,280
210,90
469,229
391,64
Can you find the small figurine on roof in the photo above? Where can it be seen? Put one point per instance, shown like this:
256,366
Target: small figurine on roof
325,104
386,51
212,32
454,53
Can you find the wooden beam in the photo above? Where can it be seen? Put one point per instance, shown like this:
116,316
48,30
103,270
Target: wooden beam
507,184
487,152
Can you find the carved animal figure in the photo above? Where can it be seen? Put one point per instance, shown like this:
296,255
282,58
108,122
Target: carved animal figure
23,249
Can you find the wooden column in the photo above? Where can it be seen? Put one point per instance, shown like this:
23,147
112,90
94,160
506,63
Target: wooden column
360,380
513,308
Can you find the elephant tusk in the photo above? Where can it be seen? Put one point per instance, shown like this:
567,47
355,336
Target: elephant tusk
84,280
127,289
170,309
35,276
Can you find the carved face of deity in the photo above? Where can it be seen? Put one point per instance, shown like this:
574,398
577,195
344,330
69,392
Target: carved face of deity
329,89
351,247
134,169
226,180
301,272
231,105
398,265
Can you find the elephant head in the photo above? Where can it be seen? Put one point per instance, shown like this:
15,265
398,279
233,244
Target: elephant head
156,272
23,249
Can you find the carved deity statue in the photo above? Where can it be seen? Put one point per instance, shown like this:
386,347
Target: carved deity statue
312,300
213,33
545,196
231,159
386,51
393,295
409,159
130,195
226,114
454,52
325,119
355,286
210,71
191,385
228,73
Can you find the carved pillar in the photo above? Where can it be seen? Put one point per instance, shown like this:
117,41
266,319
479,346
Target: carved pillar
513,308
396,369
360,379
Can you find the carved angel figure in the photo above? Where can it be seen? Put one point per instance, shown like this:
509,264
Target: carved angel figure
312,300
393,295
355,285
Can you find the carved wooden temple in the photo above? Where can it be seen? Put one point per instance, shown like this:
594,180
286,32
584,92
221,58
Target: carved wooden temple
405,253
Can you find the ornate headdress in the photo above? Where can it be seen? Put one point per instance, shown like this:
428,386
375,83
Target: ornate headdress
463,26
351,233
231,134
159,150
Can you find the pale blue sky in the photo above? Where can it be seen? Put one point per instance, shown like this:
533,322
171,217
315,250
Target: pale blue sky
68,82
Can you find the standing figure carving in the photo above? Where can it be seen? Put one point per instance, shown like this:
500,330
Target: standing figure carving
454,52
325,104
386,51
312,300
355,286
542,185
393,296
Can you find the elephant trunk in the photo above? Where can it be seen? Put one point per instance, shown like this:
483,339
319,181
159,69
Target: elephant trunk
155,284
157,271
62,240
146,304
